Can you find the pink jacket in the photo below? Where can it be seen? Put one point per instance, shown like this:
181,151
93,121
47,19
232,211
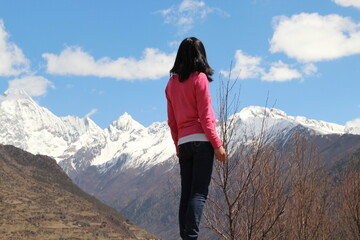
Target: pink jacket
189,108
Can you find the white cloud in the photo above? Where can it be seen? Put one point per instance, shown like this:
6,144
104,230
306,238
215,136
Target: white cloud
189,5
309,69
187,13
97,92
280,72
348,3
34,86
312,37
174,44
245,66
154,64
13,62
92,112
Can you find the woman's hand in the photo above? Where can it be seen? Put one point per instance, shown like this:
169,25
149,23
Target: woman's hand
220,154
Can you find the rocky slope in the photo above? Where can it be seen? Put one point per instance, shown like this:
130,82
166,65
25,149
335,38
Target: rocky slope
39,201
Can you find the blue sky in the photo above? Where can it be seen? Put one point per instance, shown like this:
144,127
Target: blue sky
104,58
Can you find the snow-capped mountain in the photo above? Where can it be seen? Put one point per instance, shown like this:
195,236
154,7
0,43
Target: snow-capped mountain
276,119
274,123
24,124
77,143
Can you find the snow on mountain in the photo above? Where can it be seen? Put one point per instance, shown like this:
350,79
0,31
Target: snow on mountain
128,139
24,124
274,120
77,143
353,126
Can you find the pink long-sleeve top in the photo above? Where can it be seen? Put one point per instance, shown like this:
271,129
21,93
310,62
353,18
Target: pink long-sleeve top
189,108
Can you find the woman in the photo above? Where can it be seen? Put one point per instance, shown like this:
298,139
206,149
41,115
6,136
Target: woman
193,128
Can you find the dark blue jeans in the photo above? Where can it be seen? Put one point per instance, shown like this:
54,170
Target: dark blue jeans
196,164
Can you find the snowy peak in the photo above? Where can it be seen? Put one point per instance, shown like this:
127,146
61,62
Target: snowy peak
19,110
353,126
80,125
134,145
126,123
17,99
24,124
13,93
273,116
261,112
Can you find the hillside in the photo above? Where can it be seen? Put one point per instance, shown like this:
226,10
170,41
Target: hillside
39,201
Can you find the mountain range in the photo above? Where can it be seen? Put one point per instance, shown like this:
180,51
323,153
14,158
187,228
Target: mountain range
133,168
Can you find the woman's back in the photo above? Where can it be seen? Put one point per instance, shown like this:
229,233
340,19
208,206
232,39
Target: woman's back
192,110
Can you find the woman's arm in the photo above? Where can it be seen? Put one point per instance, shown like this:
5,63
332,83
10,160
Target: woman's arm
172,122
205,110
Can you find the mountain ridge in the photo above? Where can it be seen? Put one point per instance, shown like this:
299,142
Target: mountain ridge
77,143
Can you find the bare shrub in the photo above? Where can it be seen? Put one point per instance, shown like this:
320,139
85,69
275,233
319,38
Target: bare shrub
264,190
349,209
247,198
308,210
276,190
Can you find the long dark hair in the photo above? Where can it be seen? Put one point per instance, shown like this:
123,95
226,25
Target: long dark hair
191,57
